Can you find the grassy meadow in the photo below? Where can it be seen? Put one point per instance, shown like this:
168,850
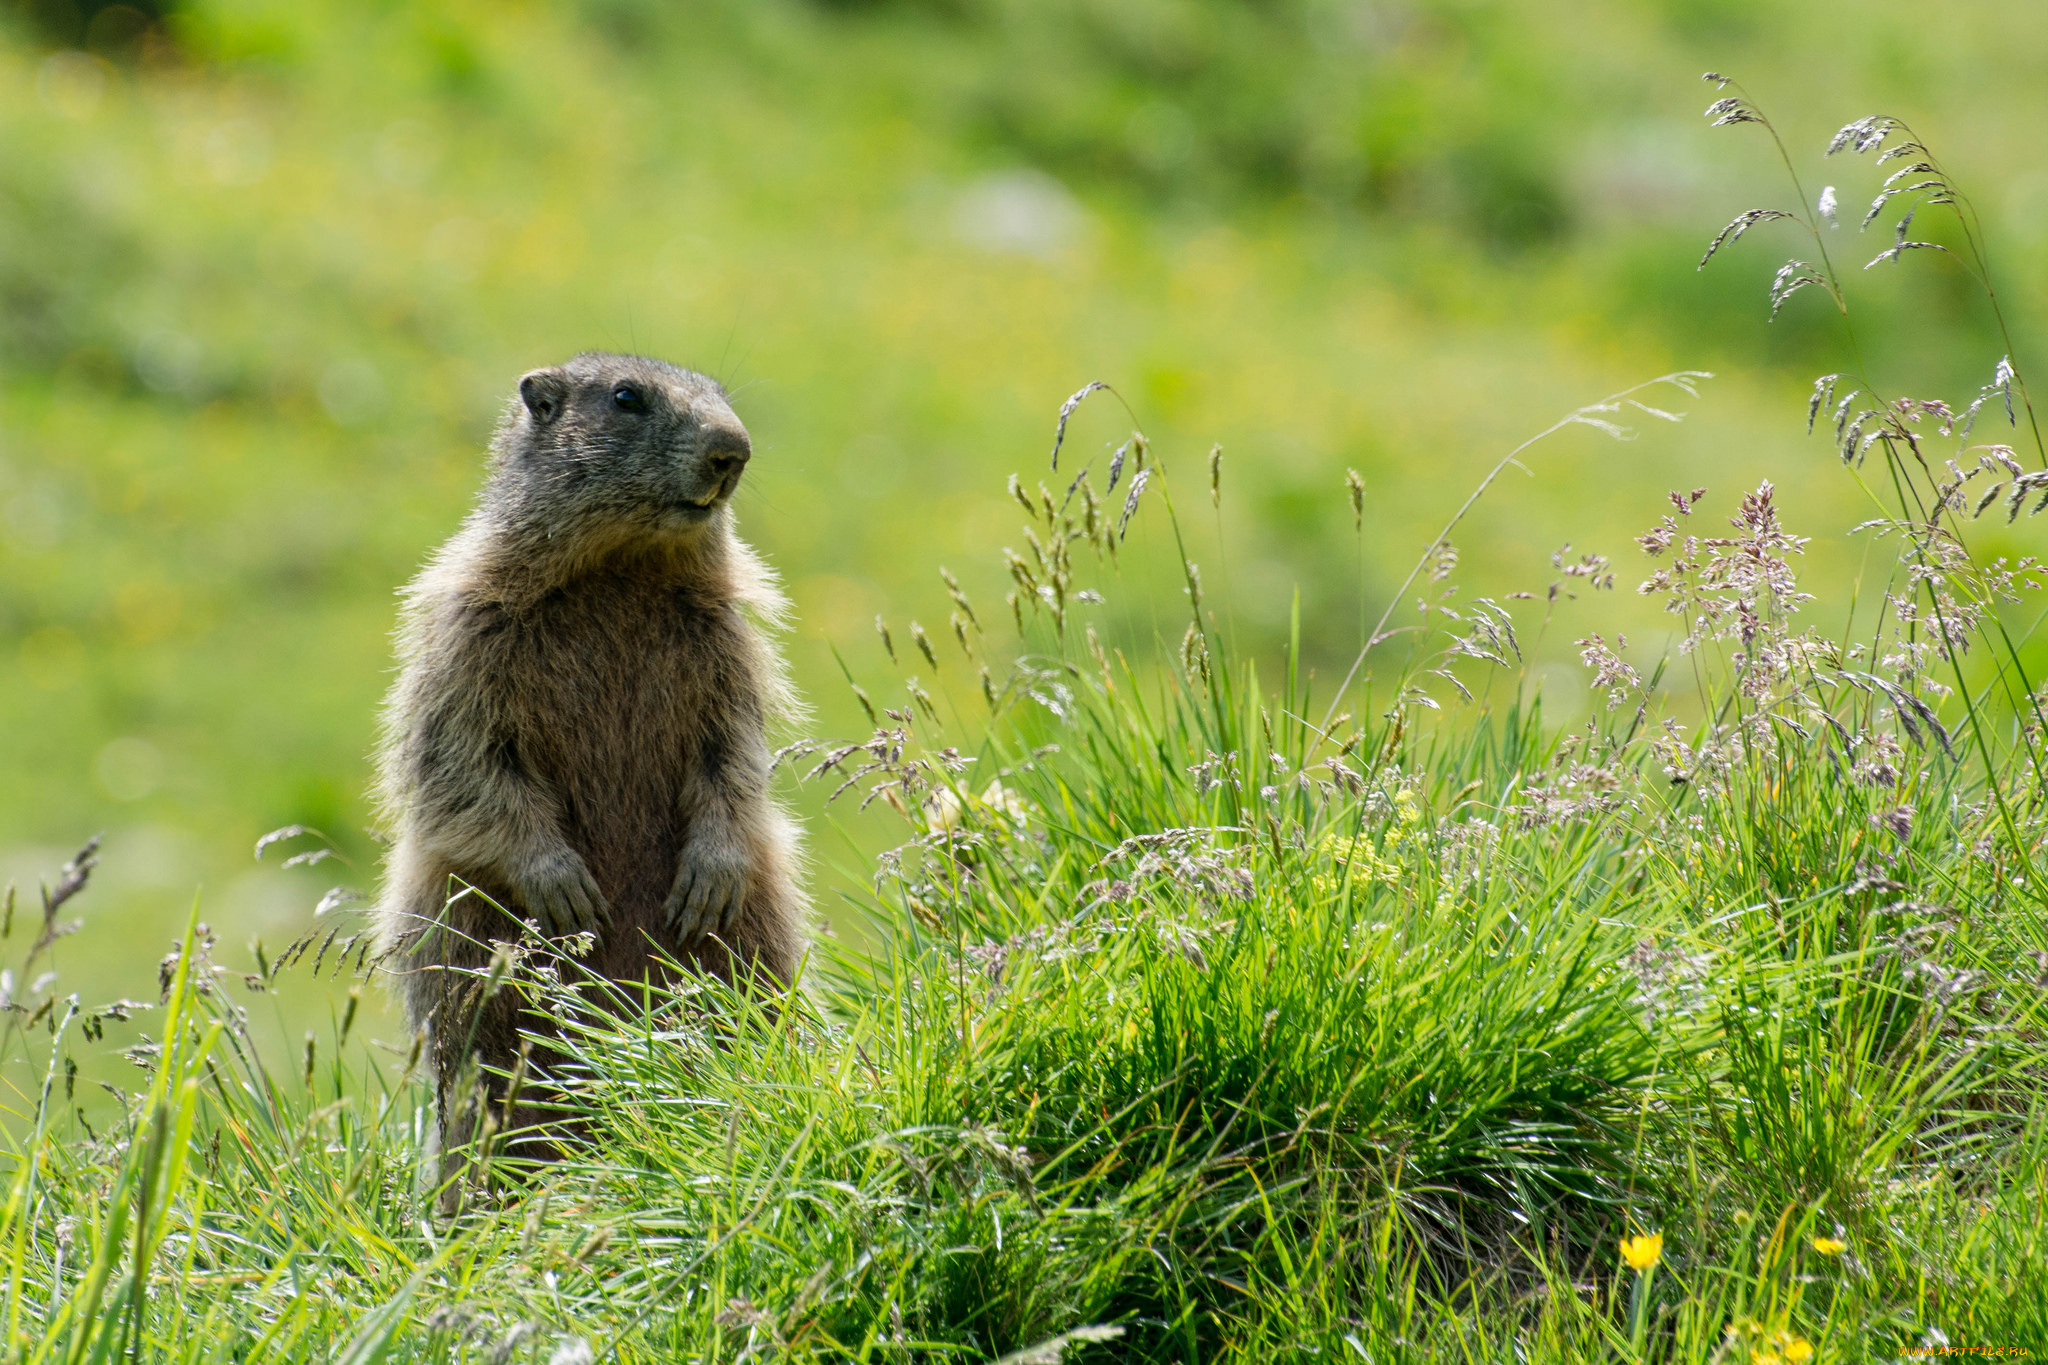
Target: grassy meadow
1264,924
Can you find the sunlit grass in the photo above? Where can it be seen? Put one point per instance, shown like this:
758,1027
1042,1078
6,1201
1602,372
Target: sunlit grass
1436,1109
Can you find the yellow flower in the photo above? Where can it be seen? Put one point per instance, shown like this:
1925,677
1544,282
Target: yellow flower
1643,1253
1828,1246
1781,1348
1357,854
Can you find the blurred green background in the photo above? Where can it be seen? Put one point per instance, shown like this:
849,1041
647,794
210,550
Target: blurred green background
269,268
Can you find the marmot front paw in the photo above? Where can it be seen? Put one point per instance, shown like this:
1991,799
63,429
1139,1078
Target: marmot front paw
559,892
708,891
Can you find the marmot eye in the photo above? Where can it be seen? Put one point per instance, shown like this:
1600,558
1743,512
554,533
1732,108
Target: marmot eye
626,398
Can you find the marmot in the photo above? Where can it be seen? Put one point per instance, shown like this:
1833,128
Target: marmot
579,727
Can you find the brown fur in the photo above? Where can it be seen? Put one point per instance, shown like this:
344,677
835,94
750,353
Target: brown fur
579,726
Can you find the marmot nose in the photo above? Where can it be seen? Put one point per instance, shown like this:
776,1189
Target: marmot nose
726,454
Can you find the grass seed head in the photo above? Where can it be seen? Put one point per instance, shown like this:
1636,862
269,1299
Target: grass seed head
867,706
1138,482
1741,223
1059,432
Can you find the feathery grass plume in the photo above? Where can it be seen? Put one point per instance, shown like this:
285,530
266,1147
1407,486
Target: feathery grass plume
1138,482
1795,274
1685,381
1059,431
70,881
1741,223
1354,487
959,596
1902,246
1194,655
888,644
1937,558
924,645
1101,658
1022,573
1216,475
2002,377
1732,109
1864,135
1611,673
1792,277
1823,394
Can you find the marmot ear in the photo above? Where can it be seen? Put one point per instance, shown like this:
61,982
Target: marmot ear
543,392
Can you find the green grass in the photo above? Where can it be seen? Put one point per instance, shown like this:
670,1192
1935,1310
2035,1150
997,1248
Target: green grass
1413,1107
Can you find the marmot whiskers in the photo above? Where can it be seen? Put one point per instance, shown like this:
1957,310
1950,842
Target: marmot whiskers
578,731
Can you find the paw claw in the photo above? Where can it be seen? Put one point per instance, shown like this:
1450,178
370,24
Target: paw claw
705,899
562,896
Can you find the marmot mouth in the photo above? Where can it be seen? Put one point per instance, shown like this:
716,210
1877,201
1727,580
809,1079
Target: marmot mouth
699,508
720,491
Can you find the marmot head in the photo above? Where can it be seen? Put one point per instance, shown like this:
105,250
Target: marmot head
616,447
